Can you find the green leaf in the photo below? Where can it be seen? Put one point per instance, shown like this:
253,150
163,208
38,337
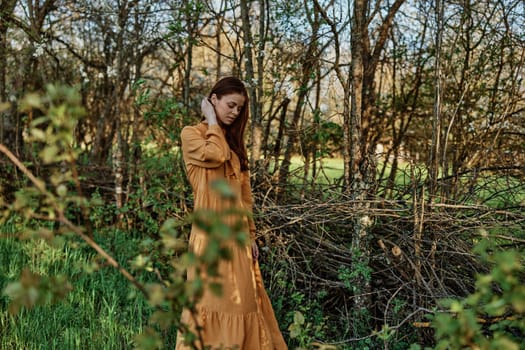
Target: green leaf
174,243
156,293
38,135
222,230
517,299
224,189
497,307
194,288
162,318
168,227
149,340
502,342
242,238
31,100
62,190
298,318
211,253
49,154
295,331
215,288
33,289
188,260
140,261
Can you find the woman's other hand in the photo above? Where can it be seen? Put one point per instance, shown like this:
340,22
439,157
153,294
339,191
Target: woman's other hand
255,251
209,111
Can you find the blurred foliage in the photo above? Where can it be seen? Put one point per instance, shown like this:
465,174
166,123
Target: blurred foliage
43,209
493,316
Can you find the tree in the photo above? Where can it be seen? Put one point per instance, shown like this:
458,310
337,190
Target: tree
477,76
252,82
8,122
308,62
29,76
362,125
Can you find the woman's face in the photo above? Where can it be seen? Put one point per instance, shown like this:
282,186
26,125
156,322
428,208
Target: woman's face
228,107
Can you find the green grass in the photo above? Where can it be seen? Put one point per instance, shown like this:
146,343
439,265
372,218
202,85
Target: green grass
493,190
102,311
329,170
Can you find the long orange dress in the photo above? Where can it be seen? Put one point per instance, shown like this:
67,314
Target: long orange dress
242,316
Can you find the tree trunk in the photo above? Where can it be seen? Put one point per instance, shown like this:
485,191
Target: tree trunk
257,134
6,11
7,121
435,149
253,83
218,47
309,62
360,168
192,24
283,107
314,146
357,185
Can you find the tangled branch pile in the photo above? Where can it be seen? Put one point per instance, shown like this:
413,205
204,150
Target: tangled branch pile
419,253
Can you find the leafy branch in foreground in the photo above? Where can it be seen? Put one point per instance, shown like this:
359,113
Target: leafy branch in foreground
493,317
54,132
44,206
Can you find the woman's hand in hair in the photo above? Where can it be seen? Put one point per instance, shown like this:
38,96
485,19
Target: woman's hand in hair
209,111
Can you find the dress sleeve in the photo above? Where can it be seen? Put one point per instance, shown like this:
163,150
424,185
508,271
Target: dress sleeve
247,200
209,150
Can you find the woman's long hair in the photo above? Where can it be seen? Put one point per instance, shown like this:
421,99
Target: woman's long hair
235,131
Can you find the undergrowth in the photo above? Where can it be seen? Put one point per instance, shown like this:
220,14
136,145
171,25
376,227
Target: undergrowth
102,311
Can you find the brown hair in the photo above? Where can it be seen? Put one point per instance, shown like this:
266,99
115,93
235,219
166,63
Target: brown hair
235,131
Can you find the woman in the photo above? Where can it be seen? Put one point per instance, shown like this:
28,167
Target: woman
242,316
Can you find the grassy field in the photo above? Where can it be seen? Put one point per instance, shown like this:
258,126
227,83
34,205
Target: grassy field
102,311
494,191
